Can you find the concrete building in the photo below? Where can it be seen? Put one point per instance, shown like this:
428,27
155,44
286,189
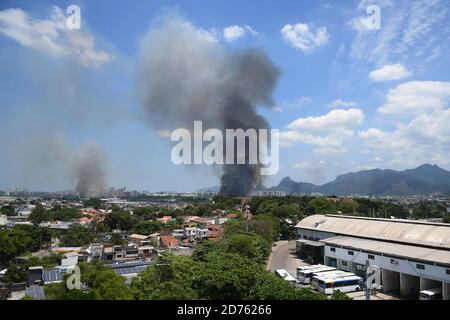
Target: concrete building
412,255
3,219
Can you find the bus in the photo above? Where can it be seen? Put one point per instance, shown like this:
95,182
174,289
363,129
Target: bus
343,284
329,274
306,275
285,275
307,267
431,294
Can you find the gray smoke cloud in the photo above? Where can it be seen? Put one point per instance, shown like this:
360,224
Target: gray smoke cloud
89,168
185,75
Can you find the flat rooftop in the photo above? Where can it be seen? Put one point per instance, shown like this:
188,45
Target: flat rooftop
391,249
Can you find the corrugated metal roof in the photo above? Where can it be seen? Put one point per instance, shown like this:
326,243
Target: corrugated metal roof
130,270
134,263
400,250
52,275
425,234
35,292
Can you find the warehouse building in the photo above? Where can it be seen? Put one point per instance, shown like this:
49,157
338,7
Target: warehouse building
412,255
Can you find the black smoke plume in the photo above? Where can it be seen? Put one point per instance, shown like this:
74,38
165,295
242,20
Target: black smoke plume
186,75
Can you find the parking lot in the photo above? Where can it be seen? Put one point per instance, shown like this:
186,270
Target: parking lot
284,256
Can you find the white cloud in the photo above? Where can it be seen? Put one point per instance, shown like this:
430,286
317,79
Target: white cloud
305,165
288,138
327,131
300,102
330,151
235,32
301,37
425,139
407,28
52,36
207,35
390,72
415,97
337,118
339,103
316,170
365,167
372,133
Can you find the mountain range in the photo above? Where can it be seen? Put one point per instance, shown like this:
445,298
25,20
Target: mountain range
425,179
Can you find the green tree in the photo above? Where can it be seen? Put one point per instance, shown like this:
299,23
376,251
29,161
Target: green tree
119,219
146,213
7,249
116,239
148,227
242,244
320,206
15,274
109,286
170,279
337,295
76,236
348,205
8,210
95,203
38,214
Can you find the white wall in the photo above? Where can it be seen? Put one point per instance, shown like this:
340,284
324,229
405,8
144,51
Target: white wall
433,272
314,234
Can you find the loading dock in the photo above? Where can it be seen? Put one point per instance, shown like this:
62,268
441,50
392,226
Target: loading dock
409,286
390,281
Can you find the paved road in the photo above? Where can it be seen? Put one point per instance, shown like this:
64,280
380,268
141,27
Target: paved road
283,256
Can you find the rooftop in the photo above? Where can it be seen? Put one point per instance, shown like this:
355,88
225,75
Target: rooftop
428,234
398,250
138,236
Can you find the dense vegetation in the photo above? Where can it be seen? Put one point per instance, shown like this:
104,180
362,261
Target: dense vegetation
299,207
20,240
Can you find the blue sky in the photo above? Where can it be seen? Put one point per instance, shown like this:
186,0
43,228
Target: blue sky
350,96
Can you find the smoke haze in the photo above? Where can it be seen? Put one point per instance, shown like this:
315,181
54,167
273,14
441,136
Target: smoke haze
89,167
185,75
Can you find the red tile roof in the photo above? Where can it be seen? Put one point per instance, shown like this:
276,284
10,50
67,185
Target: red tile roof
169,241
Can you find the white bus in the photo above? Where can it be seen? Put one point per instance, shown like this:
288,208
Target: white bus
342,284
285,275
431,294
307,267
306,275
328,275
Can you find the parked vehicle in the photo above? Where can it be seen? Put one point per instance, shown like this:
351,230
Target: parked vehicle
285,275
431,294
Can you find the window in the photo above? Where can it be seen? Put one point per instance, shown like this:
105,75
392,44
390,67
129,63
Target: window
305,237
351,253
344,263
393,261
420,266
334,250
447,271
371,256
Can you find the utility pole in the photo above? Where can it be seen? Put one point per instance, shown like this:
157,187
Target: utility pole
367,281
